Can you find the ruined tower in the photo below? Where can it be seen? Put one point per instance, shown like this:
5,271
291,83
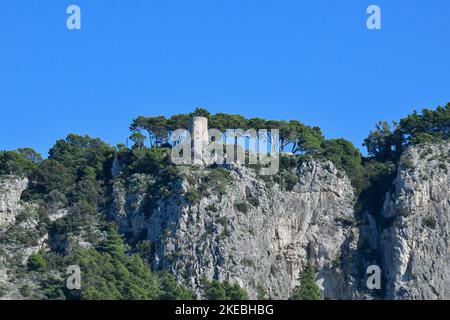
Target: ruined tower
198,128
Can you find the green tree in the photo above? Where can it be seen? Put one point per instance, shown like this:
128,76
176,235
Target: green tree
20,162
178,121
138,140
200,112
156,127
52,175
76,152
261,292
216,290
417,128
110,274
87,188
36,262
387,143
114,244
308,289
346,157
30,154
234,291
233,122
381,143
377,178
305,139
171,290
256,123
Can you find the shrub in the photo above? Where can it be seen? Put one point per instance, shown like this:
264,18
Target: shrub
26,291
261,292
22,216
345,221
52,175
404,211
219,175
377,180
218,179
241,206
211,208
254,201
225,234
193,196
171,290
216,290
429,222
288,162
290,180
36,262
407,162
345,156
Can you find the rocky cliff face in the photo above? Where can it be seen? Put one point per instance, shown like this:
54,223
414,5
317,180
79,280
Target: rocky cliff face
19,238
260,235
11,189
255,233
416,247
258,232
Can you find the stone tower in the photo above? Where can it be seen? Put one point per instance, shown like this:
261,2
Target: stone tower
198,127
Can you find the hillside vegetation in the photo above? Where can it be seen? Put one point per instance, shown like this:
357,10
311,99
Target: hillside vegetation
77,177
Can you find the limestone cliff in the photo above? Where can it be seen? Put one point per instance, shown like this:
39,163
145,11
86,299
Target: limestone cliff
11,189
260,235
20,237
254,233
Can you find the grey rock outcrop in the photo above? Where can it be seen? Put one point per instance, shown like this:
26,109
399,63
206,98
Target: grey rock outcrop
19,239
416,247
11,188
260,235
255,234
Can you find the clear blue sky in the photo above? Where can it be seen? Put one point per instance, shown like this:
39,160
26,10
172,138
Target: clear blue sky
314,61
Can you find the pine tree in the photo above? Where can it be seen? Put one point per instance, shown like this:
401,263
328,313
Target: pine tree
308,289
114,244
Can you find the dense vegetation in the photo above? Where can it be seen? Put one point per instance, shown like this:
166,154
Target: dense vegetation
215,290
293,134
388,142
77,176
385,145
109,273
20,162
